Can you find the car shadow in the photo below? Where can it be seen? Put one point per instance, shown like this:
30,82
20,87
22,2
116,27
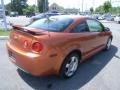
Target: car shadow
86,72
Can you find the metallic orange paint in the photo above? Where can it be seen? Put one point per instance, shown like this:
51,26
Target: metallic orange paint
56,46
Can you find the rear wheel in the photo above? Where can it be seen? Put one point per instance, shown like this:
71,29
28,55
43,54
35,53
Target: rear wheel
108,45
69,66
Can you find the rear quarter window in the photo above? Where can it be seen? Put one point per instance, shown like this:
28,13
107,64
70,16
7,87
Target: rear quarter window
81,27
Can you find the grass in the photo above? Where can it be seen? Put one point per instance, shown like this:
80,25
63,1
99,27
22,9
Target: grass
4,32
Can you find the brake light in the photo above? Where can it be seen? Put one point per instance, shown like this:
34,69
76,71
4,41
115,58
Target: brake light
37,47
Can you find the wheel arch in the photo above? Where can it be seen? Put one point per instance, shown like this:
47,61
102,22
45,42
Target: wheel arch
111,37
73,51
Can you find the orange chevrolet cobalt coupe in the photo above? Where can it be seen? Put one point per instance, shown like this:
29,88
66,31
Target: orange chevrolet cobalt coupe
56,45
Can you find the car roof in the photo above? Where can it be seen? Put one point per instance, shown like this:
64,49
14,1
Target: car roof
70,16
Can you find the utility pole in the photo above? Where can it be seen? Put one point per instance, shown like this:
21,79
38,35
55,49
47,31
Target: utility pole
45,6
93,4
82,4
4,16
110,1
35,6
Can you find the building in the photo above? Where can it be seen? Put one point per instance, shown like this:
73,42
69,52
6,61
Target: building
71,11
55,8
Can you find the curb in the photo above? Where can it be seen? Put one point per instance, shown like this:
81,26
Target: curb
4,37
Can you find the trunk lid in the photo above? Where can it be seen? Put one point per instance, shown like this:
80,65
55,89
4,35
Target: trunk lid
23,37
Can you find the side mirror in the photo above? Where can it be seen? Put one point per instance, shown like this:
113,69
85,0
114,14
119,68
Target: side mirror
106,29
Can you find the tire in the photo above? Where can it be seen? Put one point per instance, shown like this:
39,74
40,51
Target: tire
108,45
69,66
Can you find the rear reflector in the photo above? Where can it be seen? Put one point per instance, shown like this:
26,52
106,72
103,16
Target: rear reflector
37,47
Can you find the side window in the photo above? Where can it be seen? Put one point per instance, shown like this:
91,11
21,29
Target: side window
94,26
81,27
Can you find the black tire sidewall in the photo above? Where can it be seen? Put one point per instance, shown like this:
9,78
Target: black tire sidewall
62,70
107,43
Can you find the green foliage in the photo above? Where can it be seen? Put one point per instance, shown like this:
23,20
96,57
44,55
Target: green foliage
107,6
91,10
29,8
4,32
115,10
99,9
42,5
18,5
8,7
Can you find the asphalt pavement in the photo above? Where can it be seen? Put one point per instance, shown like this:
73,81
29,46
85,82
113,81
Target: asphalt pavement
20,20
100,72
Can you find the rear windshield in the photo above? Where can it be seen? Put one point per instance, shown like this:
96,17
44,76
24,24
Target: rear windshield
51,24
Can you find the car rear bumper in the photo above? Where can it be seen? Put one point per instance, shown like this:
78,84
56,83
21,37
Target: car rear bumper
35,64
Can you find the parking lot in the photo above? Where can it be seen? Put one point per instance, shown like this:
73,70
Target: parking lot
20,20
100,72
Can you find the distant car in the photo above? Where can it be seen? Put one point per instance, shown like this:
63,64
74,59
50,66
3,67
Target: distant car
43,15
1,15
95,16
30,14
117,19
57,45
110,18
101,17
13,14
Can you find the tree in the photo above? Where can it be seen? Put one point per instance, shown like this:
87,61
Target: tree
107,6
42,5
18,5
99,9
8,8
30,9
91,10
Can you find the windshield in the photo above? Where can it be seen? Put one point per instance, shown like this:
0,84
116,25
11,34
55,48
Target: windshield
51,24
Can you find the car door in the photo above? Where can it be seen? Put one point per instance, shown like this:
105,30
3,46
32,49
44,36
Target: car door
84,37
97,29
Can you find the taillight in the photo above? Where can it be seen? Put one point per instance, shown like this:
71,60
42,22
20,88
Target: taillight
37,47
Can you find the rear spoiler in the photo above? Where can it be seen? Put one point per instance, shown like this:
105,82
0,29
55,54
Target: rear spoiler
22,29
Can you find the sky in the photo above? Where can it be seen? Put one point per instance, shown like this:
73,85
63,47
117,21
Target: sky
74,3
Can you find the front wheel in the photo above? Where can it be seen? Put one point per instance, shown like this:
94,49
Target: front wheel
69,66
